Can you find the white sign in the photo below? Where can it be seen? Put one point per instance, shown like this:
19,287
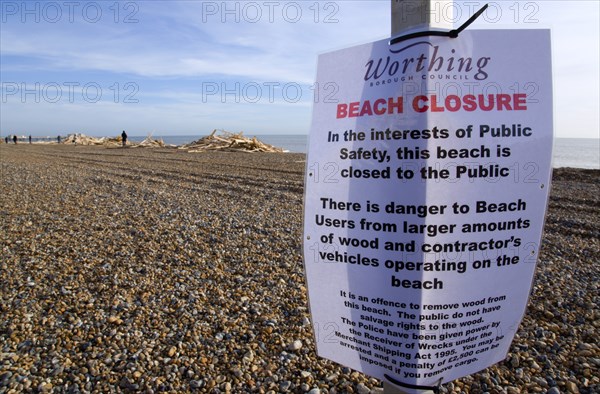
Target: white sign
427,182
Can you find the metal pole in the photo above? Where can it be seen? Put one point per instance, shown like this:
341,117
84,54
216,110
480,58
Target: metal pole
410,16
419,15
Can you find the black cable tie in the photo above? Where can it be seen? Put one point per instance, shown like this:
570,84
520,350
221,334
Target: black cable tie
435,389
452,33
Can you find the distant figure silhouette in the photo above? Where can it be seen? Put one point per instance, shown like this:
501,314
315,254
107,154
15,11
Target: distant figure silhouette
30,139
6,139
15,139
124,138
58,139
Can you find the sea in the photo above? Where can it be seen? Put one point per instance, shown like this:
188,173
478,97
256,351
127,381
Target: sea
568,152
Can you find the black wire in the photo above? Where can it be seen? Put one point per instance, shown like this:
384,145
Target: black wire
452,33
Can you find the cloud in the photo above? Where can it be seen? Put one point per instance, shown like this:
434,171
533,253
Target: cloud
173,50
182,42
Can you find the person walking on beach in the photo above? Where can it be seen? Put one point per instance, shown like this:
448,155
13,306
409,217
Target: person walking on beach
6,139
58,139
30,138
124,138
15,139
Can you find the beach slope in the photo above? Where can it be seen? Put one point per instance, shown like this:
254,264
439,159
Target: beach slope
156,270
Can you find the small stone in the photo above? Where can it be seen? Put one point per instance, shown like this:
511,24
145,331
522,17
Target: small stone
296,345
584,346
58,370
514,361
196,384
572,387
553,390
331,377
115,320
305,374
172,351
362,389
315,391
237,372
5,378
249,357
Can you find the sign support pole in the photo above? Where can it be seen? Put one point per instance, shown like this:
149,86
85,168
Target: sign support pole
419,15
409,16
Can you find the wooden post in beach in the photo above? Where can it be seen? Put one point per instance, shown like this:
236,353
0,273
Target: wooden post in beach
409,16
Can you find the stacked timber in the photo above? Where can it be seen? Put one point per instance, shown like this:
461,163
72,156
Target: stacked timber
229,142
116,142
82,139
149,142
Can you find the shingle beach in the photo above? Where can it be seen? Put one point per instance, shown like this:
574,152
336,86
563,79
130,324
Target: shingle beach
157,270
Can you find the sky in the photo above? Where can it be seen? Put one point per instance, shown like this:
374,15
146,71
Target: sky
188,67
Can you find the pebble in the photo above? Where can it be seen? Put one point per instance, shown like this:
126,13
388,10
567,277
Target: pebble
572,387
285,385
162,271
362,389
296,345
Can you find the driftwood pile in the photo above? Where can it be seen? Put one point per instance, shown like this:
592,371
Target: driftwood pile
82,139
148,142
224,141
229,142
